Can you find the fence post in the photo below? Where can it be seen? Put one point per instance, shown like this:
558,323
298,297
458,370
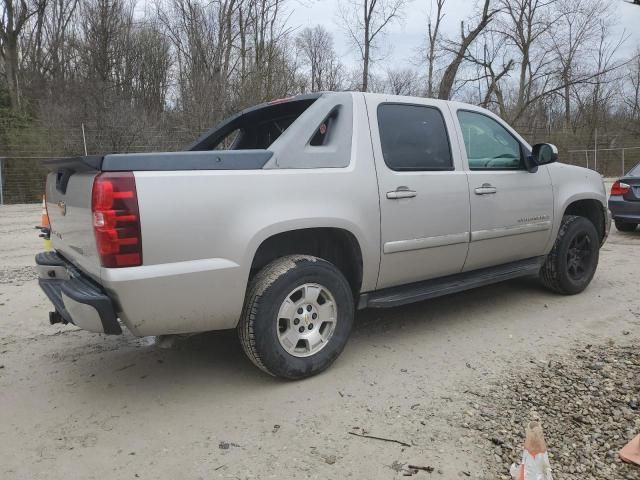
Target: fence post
1,188
622,174
595,152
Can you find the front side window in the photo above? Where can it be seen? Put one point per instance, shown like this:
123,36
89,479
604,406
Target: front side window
489,145
413,138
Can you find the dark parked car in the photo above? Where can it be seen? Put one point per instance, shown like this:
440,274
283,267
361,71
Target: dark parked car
624,201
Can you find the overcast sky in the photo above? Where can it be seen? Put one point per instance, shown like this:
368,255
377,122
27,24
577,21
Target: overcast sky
405,36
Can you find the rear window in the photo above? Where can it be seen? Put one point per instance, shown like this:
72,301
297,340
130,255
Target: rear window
635,171
413,138
256,128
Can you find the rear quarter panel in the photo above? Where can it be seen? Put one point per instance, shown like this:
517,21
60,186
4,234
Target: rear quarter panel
201,229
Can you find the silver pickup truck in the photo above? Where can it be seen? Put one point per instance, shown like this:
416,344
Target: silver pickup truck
289,216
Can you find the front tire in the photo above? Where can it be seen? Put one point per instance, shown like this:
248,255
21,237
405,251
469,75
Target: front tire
297,317
572,263
626,227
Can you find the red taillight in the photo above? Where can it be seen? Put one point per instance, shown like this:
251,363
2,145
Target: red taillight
619,188
116,219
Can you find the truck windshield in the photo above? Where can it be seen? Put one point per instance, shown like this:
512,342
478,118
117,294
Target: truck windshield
255,128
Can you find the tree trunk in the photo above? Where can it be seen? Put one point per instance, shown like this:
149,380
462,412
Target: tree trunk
433,33
450,74
367,46
365,68
567,103
523,95
11,67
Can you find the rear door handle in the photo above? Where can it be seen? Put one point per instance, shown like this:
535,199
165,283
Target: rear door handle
486,189
401,192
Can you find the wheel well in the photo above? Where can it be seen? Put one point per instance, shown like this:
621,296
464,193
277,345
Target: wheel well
590,209
334,245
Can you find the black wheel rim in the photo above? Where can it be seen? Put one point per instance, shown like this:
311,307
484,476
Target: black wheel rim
579,257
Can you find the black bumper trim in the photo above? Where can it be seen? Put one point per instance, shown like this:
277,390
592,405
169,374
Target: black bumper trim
78,289
49,259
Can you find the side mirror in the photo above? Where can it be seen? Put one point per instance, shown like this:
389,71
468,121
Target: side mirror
545,153
531,163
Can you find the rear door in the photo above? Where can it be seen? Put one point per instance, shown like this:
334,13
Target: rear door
424,195
511,209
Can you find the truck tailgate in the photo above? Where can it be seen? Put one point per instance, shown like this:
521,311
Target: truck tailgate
68,196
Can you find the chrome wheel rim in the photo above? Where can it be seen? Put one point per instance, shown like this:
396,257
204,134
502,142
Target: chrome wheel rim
306,320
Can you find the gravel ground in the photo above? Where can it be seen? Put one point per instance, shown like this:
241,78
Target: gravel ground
77,405
587,401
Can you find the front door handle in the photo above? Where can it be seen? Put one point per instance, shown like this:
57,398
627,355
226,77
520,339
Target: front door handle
401,192
486,189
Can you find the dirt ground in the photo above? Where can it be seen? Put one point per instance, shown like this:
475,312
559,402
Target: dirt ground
76,405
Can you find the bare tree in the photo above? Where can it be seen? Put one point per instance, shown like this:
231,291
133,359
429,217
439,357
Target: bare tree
13,18
460,49
602,86
365,21
527,27
152,78
315,46
632,100
433,38
202,38
402,81
530,28
150,61
55,57
575,30
496,68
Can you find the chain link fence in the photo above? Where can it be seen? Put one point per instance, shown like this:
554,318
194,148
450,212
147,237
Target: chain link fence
22,149
22,176
609,162
21,180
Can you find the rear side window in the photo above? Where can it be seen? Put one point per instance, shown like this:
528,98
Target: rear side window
323,134
255,128
413,138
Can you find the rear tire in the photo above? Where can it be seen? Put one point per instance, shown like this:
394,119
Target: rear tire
626,227
572,263
297,316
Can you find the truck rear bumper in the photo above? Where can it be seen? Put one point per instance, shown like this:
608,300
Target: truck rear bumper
75,297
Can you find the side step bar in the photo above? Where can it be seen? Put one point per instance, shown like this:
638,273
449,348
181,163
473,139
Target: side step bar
416,292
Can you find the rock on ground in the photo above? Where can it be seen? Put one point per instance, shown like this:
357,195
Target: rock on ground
588,405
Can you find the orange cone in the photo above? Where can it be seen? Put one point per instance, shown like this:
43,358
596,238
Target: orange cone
44,221
45,227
